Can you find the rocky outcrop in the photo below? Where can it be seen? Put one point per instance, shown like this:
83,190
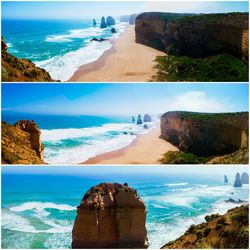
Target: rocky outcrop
113,30
147,118
20,70
110,216
194,35
21,143
237,181
103,23
132,19
225,179
133,119
228,231
139,120
94,22
244,178
206,134
110,20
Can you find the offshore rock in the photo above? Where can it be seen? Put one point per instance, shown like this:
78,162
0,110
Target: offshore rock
244,178
133,119
147,118
225,179
139,120
237,181
110,216
103,23
113,30
110,20
94,22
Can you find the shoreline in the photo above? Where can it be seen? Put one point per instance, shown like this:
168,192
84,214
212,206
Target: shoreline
144,149
120,62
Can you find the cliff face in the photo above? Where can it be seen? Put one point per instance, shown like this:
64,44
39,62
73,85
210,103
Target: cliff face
206,134
110,216
194,35
219,232
21,143
21,70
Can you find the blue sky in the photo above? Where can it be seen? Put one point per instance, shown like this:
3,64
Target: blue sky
94,9
123,99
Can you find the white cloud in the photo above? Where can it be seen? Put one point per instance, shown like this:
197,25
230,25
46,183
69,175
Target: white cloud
198,101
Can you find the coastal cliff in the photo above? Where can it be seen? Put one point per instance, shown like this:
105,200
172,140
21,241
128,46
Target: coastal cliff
110,216
204,47
206,135
21,143
219,231
20,70
195,35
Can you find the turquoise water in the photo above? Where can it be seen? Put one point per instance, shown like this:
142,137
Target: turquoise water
60,47
39,203
75,139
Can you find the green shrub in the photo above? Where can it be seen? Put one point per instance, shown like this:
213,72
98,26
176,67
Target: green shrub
207,231
219,226
211,217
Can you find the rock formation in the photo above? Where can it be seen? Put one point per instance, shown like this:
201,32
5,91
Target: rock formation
94,22
206,134
94,39
133,119
110,20
21,143
110,216
225,179
228,231
103,23
145,126
139,120
237,181
113,30
132,19
194,35
244,178
20,70
128,18
147,118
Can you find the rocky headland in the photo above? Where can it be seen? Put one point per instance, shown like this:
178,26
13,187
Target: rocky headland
208,47
110,215
206,137
21,143
218,232
20,70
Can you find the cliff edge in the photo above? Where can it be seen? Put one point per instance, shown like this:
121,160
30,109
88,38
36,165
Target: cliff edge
20,70
21,143
110,216
218,232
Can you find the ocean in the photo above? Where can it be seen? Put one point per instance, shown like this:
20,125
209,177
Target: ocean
60,47
75,139
39,203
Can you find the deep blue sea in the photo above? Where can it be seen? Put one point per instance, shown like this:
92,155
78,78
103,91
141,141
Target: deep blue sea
75,139
60,47
39,203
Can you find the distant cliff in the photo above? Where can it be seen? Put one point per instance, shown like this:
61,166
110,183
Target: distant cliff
218,232
194,35
205,134
20,70
21,143
110,215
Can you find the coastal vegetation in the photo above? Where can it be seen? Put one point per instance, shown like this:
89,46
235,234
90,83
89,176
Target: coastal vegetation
219,231
216,68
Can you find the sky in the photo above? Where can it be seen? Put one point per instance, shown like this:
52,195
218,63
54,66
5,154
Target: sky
123,99
94,9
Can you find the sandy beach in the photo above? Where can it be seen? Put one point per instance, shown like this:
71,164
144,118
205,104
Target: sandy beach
145,149
126,61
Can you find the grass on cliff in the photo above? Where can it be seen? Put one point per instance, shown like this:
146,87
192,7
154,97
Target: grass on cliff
217,68
179,157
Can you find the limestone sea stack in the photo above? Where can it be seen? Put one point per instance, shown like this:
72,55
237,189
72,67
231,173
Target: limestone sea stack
133,119
113,30
94,22
244,178
139,120
225,179
132,19
110,20
206,134
194,35
147,118
237,181
110,216
103,23
21,143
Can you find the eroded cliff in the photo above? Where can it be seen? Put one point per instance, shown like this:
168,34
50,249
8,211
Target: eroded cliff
21,143
205,134
110,216
194,35
218,232
20,70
